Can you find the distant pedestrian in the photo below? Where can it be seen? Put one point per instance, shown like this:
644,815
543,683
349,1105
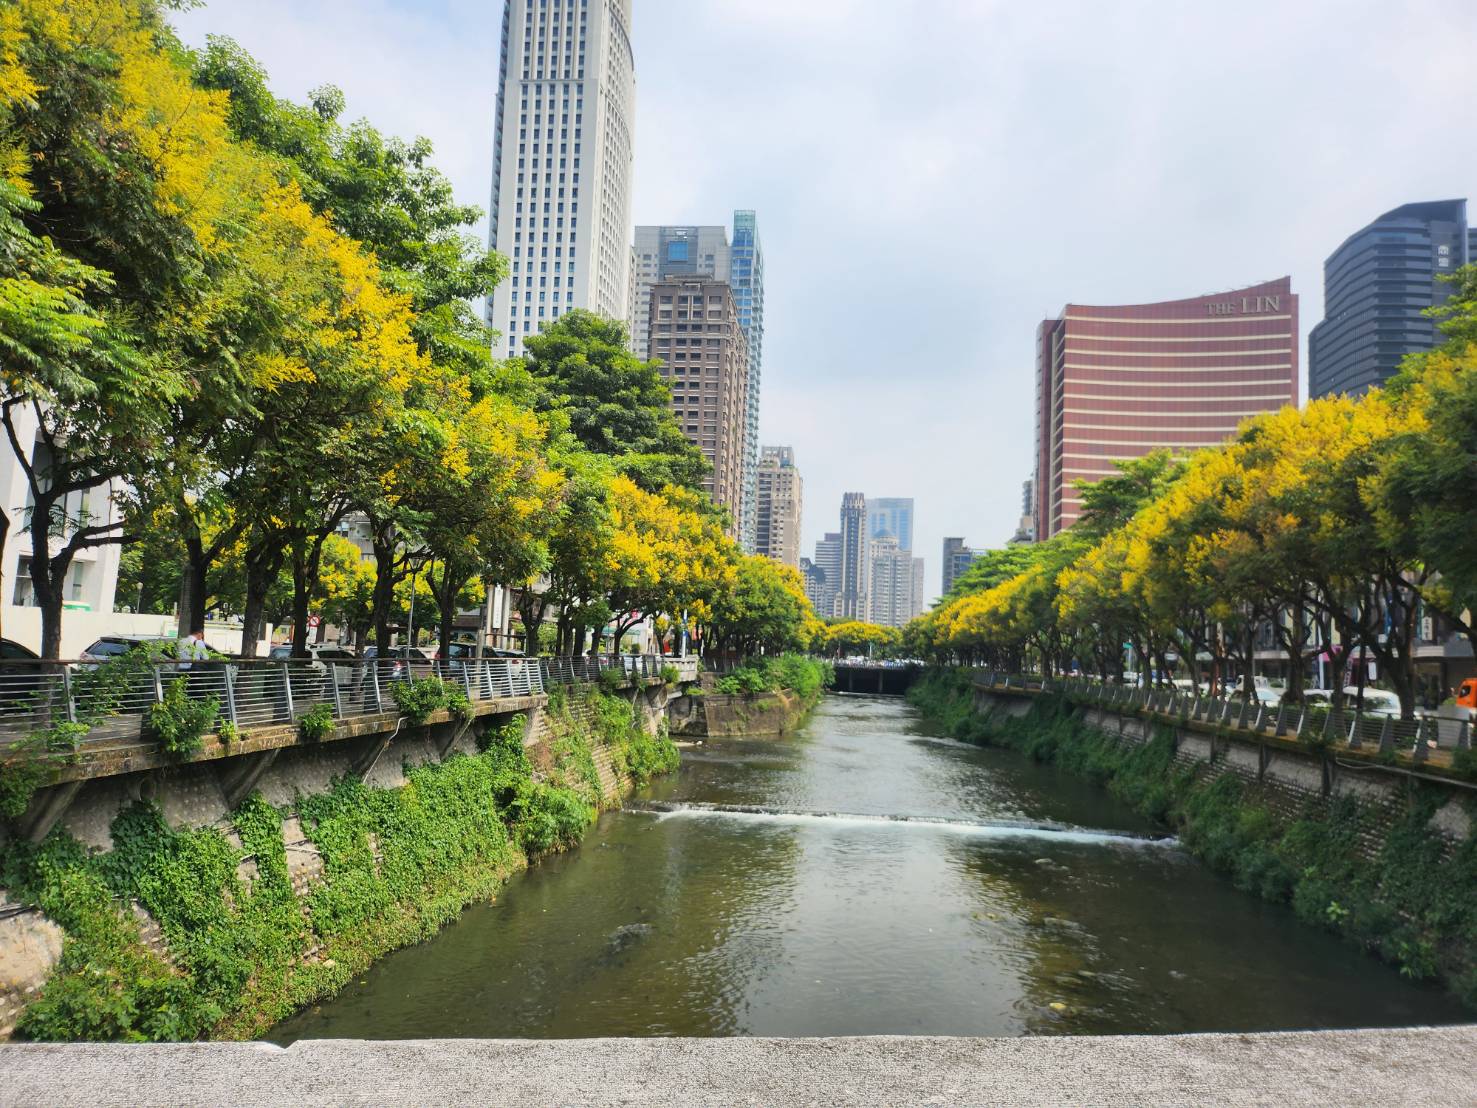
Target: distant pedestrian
191,648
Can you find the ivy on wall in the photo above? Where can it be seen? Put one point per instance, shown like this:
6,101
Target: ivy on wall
243,949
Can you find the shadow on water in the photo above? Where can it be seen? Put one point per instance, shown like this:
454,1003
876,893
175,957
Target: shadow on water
864,877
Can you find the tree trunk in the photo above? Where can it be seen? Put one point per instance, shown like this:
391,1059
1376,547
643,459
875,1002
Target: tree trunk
192,574
264,558
45,584
382,540
4,536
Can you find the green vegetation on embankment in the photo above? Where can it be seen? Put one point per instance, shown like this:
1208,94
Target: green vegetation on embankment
802,675
244,949
1414,904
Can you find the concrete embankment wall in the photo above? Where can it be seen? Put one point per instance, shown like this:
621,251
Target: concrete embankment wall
199,796
716,715
1282,776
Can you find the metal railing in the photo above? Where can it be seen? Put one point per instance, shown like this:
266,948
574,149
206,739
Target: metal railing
1416,739
114,703
110,701
568,670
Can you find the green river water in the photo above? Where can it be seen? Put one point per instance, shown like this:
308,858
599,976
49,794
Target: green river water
864,877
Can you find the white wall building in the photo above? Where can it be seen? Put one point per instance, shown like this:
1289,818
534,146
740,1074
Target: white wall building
93,577
562,162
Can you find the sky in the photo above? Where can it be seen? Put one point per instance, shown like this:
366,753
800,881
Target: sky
934,178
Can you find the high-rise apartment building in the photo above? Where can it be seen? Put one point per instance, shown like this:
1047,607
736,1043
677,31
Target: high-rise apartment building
747,277
891,515
823,580
1025,531
957,558
704,251
778,507
1376,288
562,162
1117,382
696,335
813,578
856,549
661,252
890,589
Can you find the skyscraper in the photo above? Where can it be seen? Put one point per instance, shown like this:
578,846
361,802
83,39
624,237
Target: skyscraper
747,278
562,162
957,558
779,505
891,515
661,252
704,251
894,594
1376,287
1025,531
856,548
826,578
1117,382
707,375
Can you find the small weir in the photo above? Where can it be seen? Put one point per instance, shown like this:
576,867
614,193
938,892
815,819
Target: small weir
864,877
982,829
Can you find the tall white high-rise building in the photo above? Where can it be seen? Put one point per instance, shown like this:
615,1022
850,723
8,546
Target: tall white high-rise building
562,160
896,583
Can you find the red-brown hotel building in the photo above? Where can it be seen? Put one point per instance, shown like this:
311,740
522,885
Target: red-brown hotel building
1117,382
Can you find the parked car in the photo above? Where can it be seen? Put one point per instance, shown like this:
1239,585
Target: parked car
20,675
1377,702
1264,695
405,657
114,646
326,657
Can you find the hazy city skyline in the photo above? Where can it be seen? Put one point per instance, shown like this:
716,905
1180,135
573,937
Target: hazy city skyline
899,301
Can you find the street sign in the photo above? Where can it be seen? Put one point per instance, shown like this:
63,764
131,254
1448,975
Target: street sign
313,622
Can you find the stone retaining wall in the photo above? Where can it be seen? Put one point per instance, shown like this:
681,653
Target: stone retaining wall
196,795
718,715
1282,777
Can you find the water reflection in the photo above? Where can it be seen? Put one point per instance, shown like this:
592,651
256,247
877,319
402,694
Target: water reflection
814,911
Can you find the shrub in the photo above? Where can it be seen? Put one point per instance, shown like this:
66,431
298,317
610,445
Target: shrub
796,672
671,674
180,723
316,723
419,698
612,679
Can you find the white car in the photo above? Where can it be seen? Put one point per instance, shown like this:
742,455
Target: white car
1377,702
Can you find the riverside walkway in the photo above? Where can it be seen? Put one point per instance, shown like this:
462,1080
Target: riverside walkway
1432,1067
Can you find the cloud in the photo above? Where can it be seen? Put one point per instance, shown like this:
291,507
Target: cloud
933,178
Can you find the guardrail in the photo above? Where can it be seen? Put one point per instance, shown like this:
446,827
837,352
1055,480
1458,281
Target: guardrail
1310,723
109,702
112,699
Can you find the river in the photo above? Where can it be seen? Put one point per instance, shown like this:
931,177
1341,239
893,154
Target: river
865,877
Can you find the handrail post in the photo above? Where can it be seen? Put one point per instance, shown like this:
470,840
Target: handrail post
338,703
230,672
287,690
158,685
67,694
